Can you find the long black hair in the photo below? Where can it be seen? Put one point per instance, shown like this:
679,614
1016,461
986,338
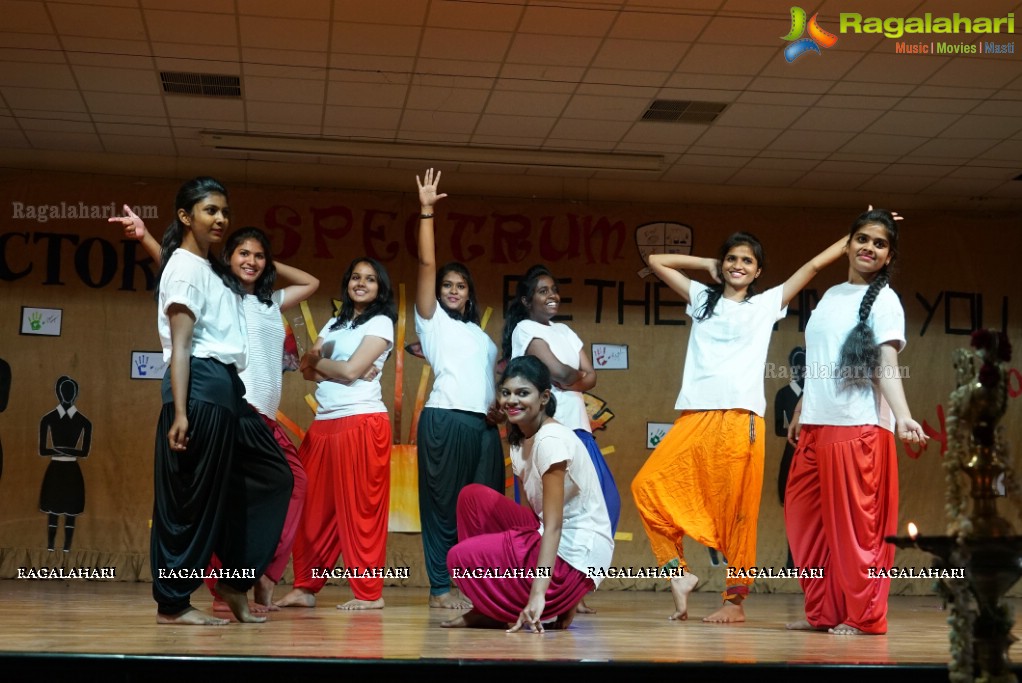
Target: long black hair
263,289
716,290
517,309
383,304
860,353
471,314
188,195
536,373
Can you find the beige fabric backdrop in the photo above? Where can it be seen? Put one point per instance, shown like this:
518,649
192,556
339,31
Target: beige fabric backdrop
948,279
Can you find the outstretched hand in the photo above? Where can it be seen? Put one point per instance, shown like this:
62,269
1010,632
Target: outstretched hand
894,214
428,195
134,227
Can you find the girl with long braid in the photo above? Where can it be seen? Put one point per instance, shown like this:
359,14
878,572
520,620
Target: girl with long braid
842,493
704,479
221,481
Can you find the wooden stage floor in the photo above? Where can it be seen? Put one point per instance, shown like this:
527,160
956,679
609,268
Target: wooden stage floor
107,631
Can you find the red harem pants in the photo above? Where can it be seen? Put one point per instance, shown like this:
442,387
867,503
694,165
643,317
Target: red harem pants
347,503
497,537
705,480
840,503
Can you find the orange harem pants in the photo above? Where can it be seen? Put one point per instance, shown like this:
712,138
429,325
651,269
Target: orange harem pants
841,501
705,479
347,463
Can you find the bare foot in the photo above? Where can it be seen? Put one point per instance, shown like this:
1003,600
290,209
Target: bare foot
262,595
190,617
681,586
473,619
846,630
297,597
449,600
238,602
357,604
583,608
729,613
563,621
803,625
220,606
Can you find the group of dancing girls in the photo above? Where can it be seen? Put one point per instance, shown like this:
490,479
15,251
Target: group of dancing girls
232,493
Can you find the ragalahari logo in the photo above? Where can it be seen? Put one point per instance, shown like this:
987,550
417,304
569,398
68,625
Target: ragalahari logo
817,36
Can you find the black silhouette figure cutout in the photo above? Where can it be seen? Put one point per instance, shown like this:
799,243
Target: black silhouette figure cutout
65,435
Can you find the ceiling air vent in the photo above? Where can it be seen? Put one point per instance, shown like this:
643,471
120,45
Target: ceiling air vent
683,111
206,85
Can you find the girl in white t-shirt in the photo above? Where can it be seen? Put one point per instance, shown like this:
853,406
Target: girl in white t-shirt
346,451
209,466
457,438
705,477
531,566
250,261
841,498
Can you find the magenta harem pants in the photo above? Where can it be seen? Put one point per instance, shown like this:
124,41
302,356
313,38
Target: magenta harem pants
840,503
497,534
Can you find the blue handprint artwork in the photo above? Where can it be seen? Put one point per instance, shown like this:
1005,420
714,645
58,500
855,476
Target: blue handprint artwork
147,365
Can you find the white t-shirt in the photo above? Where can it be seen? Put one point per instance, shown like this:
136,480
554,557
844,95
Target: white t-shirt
359,397
463,358
826,399
263,377
586,540
219,332
727,352
566,346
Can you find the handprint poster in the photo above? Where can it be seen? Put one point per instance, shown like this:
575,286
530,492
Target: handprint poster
42,321
148,365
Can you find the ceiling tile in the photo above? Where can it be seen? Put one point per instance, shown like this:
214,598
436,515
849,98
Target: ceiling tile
564,21
193,28
284,34
515,126
642,55
97,21
815,141
540,49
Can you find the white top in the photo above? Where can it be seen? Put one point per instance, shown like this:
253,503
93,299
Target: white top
566,346
826,399
219,332
360,397
727,352
463,358
263,377
586,540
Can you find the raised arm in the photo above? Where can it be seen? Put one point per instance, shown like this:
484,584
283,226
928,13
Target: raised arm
302,285
134,228
669,268
906,429
801,277
425,291
553,520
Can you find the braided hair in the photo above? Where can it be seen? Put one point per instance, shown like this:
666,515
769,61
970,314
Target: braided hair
716,290
517,310
383,304
860,353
